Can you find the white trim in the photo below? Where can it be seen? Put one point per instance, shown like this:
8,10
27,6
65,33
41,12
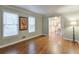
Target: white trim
12,43
71,39
44,34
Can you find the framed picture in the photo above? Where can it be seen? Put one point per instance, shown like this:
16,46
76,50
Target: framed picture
23,23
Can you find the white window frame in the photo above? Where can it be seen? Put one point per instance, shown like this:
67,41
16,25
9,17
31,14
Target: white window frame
17,25
30,25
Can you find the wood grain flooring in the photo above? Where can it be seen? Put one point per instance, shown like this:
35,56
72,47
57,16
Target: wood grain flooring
43,45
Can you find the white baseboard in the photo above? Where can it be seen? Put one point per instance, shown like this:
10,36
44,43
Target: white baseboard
71,39
12,43
44,34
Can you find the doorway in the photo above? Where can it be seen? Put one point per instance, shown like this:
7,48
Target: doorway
55,25
55,34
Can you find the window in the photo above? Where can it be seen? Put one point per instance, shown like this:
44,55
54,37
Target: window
31,24
10,24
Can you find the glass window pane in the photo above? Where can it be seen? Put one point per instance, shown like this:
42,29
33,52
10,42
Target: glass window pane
31,20
10,18
31,24
10,24
9,30
32,28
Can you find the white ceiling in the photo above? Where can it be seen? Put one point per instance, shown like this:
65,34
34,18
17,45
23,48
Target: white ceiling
50,9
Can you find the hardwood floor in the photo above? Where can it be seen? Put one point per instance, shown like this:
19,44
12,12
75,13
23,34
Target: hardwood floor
32,46
43,45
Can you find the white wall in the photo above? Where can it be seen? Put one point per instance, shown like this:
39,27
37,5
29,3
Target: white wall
41,25
45,25
25,13
68,30
0,24
68,33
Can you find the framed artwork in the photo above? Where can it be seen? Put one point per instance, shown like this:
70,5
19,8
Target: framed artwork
23,23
